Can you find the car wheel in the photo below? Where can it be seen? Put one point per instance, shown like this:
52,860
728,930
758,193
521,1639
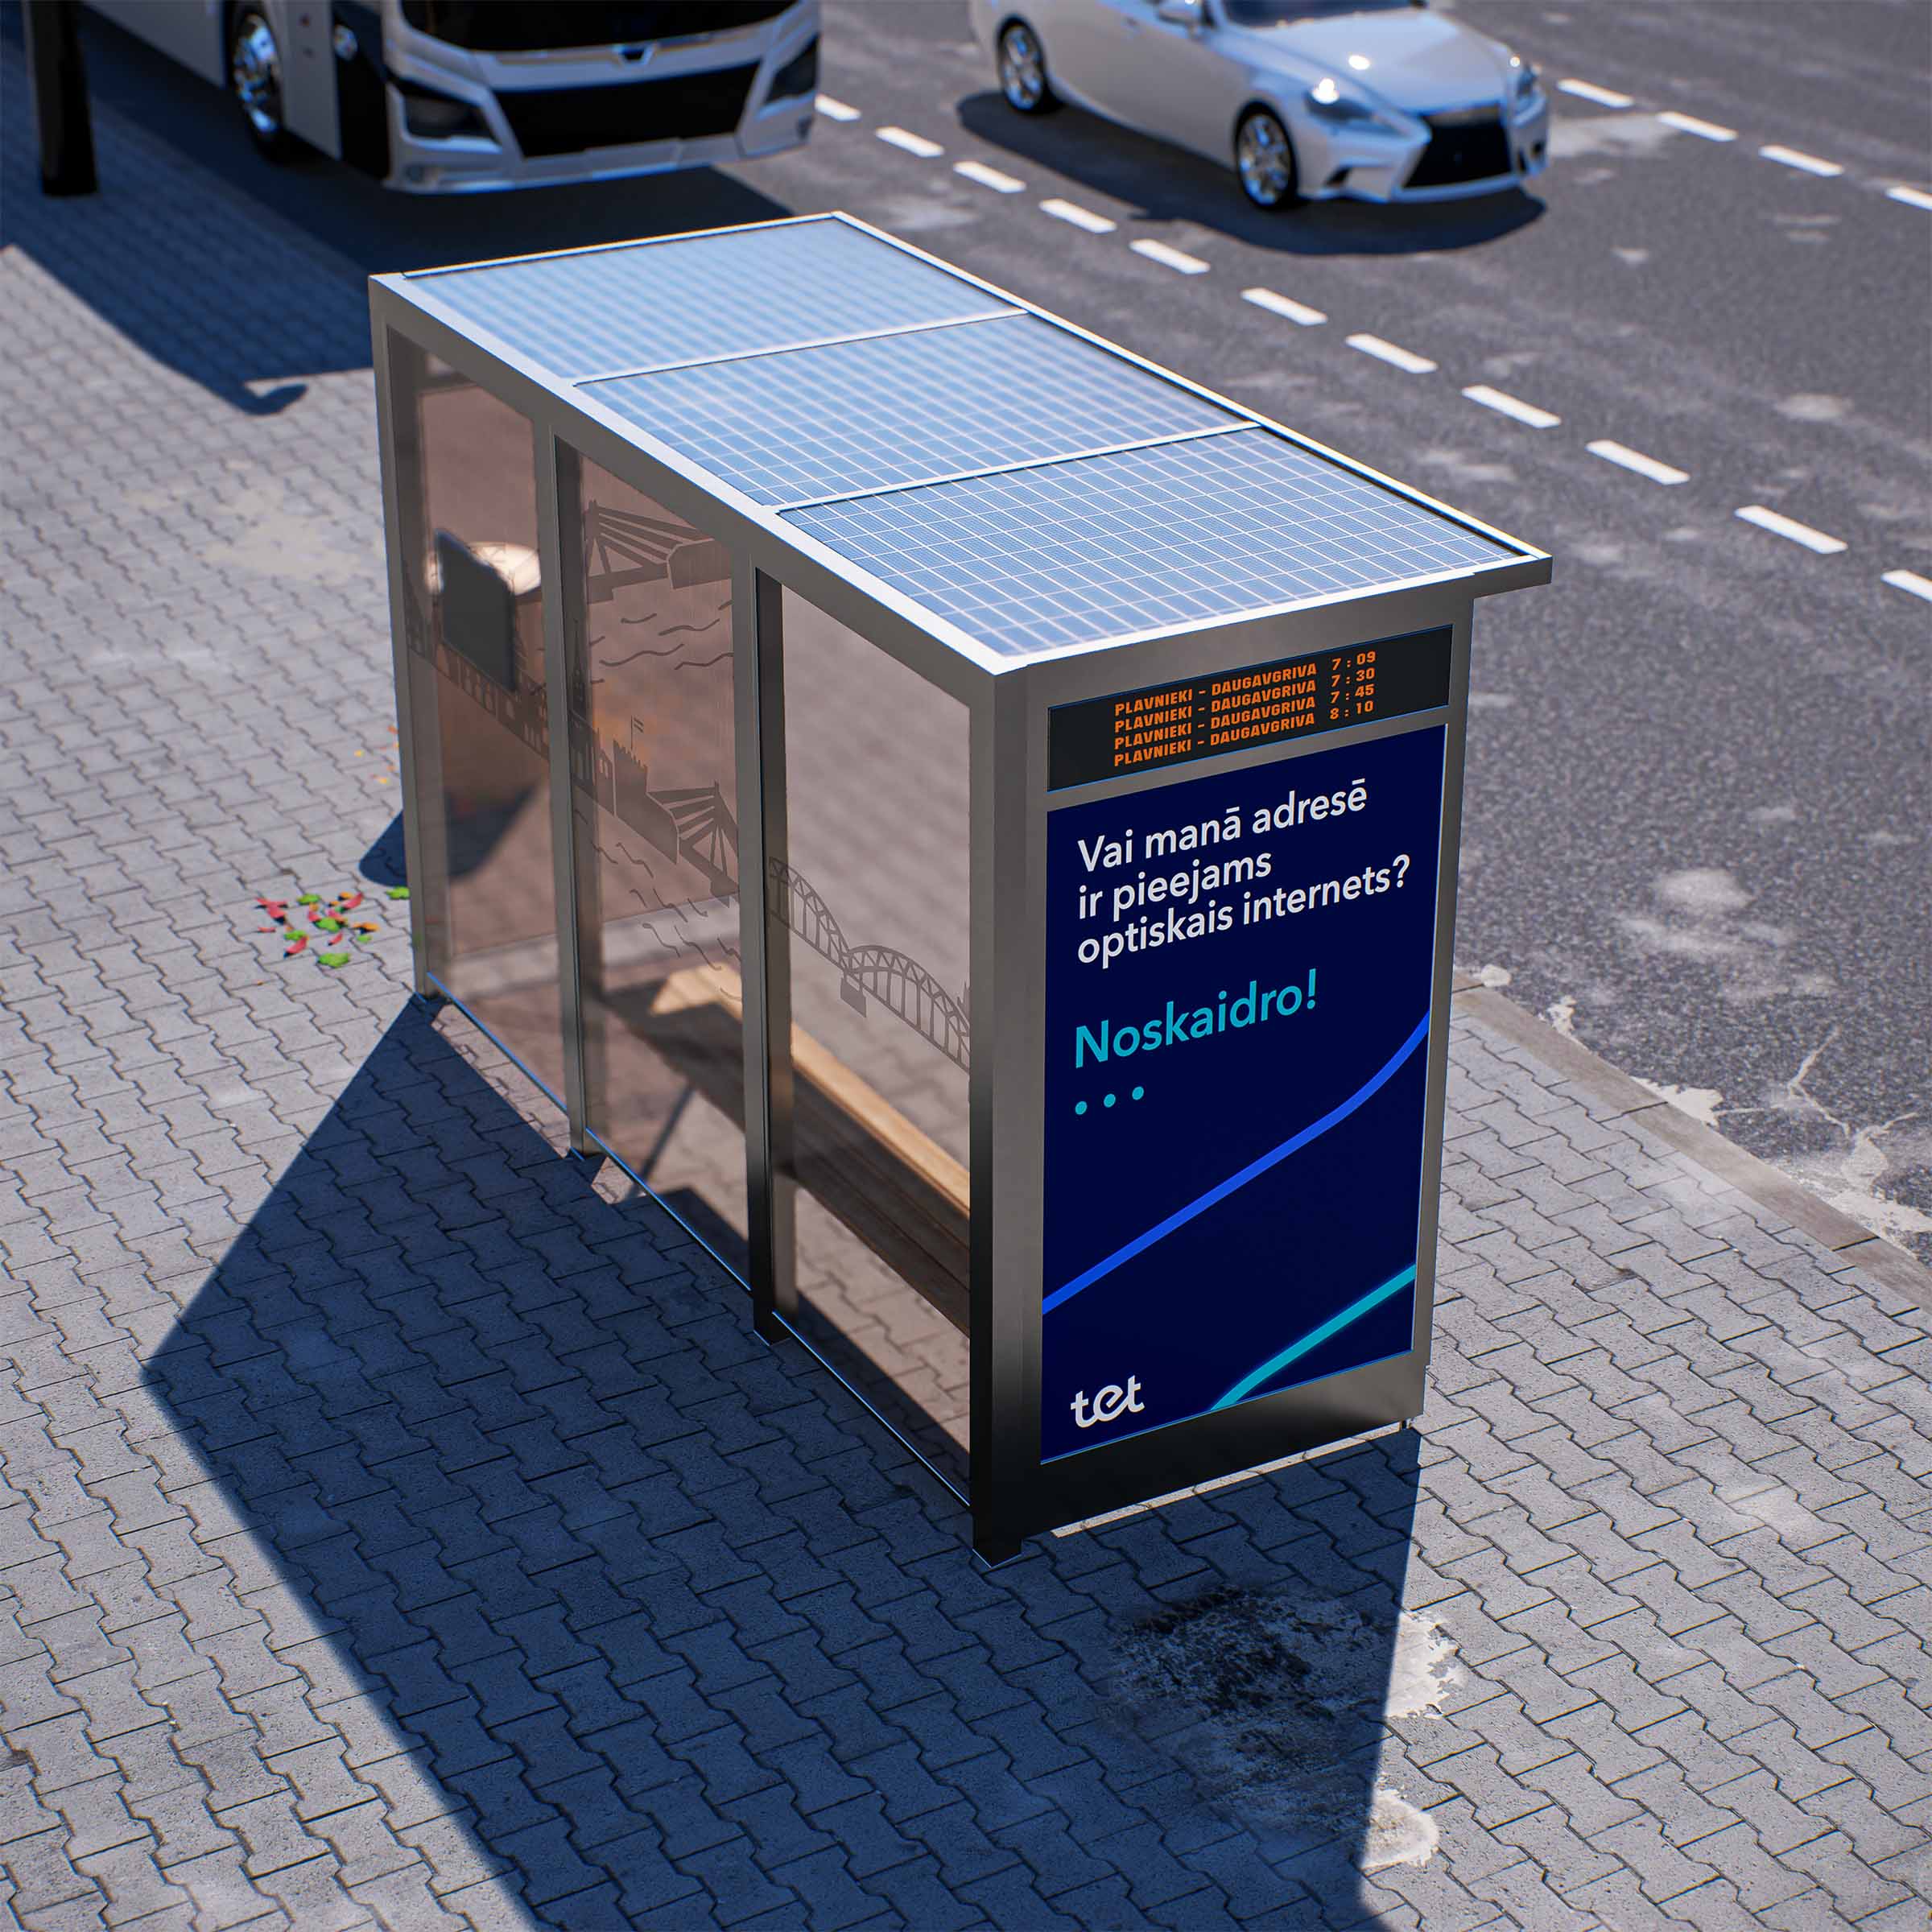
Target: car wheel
1264,158
254,78
1023,71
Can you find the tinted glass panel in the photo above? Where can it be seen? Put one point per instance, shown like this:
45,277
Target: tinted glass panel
473,618
870,913
655,828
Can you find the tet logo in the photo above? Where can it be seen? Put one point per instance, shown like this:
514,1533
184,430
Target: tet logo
1112,1402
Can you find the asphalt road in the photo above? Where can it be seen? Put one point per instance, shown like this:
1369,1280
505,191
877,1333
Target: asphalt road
1698,797
1697,803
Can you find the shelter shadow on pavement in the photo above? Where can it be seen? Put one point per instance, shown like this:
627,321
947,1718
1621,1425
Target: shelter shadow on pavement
1166,183
615,1607
253,353
385,862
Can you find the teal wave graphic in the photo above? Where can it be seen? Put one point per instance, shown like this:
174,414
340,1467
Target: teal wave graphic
1314,1338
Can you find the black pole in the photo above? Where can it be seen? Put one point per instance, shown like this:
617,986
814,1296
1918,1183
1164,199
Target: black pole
60,110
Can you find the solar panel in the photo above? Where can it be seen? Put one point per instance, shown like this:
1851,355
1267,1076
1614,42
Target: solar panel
1034,560
794,426
1032,489
659,302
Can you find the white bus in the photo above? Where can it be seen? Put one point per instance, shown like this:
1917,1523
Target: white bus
447,97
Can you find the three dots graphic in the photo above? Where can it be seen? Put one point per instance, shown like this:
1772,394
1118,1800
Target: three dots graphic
1080,1106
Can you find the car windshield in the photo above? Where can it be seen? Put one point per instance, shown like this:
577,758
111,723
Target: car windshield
1281,13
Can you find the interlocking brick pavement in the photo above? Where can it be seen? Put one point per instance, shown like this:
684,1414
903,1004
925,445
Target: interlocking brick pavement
401,1527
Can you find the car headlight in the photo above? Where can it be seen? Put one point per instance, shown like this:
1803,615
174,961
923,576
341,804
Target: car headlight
1527,85
1326,102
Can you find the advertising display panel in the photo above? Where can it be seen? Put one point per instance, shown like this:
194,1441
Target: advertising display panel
1237,1017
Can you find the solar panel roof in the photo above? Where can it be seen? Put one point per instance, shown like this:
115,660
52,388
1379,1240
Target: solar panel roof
806,424
655,304
1019,482
1031,560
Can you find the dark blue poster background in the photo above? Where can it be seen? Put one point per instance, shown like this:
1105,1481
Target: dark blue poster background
1233,1177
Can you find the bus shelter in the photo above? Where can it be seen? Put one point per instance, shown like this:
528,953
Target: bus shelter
965,817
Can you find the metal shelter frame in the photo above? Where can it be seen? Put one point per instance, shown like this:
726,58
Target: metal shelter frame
1007,700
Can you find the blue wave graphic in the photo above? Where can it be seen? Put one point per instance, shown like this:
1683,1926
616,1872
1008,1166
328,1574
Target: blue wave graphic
1314,1338
1221,1189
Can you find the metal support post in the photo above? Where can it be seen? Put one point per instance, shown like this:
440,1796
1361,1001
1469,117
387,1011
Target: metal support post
60,106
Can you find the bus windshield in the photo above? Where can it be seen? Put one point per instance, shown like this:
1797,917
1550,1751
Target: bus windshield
525,25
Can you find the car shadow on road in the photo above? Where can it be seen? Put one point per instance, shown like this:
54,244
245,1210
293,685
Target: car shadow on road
658,1625
1165,183
228,309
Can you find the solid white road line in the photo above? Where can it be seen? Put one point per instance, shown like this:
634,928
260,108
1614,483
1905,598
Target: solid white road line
1603,96
1910,580
913,144
1689,124
1785,526
836,110
1080,217
1627,458
1913,197
1387,352
1280,305
988,177
1789,157
1169,257
1509,405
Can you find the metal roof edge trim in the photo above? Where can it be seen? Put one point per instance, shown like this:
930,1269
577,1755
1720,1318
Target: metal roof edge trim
460,334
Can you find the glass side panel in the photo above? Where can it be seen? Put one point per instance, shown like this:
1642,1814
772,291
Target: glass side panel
648,654
870,910
472,614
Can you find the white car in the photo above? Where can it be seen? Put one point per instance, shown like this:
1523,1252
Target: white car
1307,99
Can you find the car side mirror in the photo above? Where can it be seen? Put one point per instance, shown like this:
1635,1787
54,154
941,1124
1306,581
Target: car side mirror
1181,13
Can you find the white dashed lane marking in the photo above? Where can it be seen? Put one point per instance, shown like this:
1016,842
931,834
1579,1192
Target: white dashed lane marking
1787,527
988,177
1169,257
1280,305
1407,360
1689,124
1387,352
1791,157
1511,405
1080,217
1626,458
913,144
1585,90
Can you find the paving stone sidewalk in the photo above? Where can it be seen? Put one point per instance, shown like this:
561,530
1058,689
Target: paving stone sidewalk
400,1527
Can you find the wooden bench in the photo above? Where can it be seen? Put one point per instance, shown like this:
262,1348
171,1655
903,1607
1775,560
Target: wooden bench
890,1183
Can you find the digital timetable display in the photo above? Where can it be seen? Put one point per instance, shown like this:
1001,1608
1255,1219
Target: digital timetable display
1261,704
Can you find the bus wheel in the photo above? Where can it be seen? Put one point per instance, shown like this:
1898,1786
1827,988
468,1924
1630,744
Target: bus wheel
254,78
